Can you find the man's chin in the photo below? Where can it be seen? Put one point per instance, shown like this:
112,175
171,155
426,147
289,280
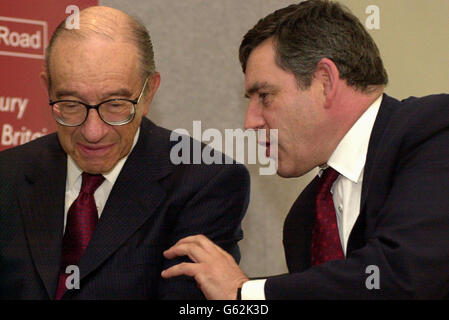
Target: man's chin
285,171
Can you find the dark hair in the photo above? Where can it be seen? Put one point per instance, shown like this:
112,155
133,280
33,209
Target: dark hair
307,32
137,34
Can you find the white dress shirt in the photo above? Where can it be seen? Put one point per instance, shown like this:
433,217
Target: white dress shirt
349,160
74,179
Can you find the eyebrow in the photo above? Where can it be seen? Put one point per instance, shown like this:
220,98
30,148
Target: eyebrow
122,92
62,93
257,86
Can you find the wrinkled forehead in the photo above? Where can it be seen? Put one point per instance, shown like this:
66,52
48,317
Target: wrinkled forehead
95,54
92,68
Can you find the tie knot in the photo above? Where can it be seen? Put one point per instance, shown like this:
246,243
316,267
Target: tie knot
327,179
91,182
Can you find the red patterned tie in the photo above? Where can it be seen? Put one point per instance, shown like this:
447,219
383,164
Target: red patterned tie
326,243
81,221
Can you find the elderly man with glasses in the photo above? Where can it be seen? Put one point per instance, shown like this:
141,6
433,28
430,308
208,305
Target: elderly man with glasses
86,213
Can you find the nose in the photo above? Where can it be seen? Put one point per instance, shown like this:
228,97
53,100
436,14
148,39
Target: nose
254,117
94,129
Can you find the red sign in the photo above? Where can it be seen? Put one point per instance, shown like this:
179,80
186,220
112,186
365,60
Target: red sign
22,37
25,29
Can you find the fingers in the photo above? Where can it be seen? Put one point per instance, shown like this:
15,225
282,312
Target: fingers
214,270
194,252
185,268
194,248
198,248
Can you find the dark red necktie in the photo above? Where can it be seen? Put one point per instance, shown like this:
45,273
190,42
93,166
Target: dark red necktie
326,243
81,221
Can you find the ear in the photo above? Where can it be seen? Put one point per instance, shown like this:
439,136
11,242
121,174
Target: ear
329,76
45,81
153,84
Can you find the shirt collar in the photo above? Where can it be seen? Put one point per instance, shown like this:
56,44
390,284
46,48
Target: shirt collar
74,172
350,155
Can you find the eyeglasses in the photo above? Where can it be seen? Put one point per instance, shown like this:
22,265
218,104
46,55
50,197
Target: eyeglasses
115,112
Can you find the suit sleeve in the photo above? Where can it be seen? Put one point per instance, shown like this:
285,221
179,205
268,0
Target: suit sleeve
408,240
215,210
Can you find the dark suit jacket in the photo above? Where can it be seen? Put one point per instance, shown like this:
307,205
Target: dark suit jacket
152,205
403,226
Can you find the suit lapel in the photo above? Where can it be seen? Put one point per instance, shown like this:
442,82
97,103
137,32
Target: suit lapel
298,229
42,205
377,135
134,198
375,156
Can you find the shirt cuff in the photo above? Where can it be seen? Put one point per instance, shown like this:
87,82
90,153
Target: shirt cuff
254,290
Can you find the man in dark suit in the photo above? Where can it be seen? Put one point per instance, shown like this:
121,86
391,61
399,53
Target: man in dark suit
374,223
86,213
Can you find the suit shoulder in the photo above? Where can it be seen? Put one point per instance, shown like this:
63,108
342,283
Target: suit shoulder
426,105
186,156
417,122
198,159
187,146
442,98
423,114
